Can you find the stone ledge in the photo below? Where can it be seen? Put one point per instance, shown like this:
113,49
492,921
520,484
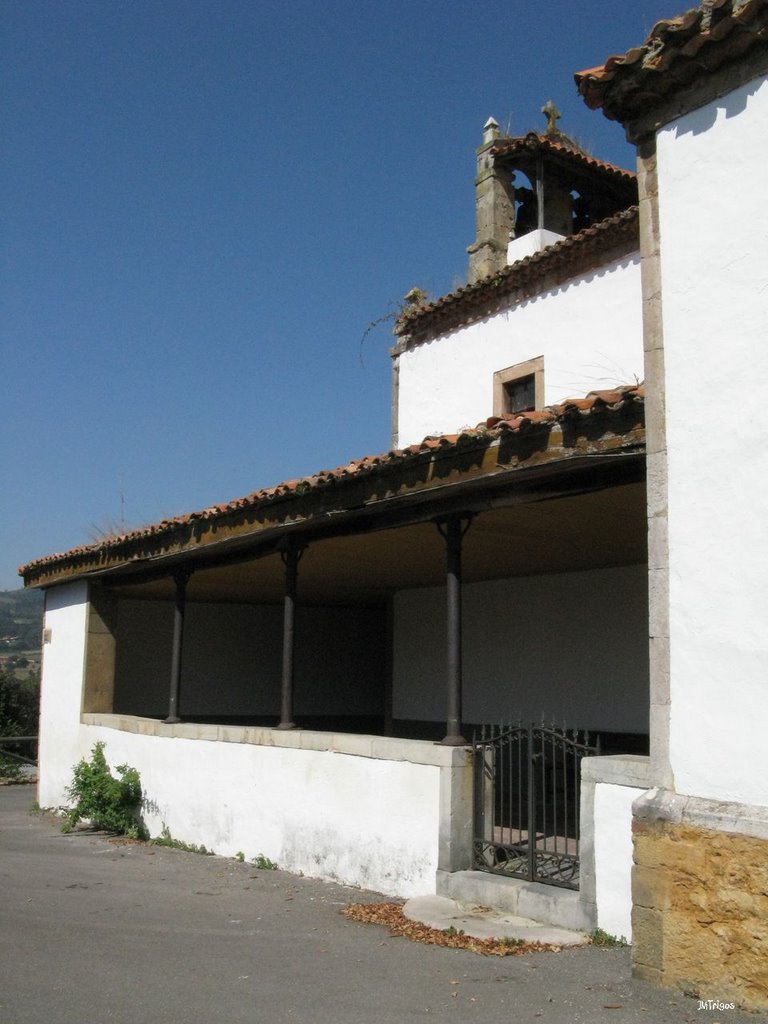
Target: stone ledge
618,770
717,815
382,748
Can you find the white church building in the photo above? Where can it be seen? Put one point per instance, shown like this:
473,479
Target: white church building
523,655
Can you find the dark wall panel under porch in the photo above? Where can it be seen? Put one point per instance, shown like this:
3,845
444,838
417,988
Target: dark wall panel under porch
232,655
571,647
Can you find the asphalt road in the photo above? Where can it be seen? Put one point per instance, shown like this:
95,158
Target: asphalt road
92,931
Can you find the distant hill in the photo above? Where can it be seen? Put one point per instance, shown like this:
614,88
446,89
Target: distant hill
21,620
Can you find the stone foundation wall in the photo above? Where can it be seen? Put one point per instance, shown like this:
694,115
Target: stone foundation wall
700,911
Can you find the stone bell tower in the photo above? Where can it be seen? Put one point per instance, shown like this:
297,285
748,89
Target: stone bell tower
532,190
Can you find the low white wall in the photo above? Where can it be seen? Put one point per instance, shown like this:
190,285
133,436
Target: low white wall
571,646
613,858
360,810
589,331
364,810
609,786
63,665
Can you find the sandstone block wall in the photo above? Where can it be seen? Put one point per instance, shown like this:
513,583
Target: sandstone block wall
700,912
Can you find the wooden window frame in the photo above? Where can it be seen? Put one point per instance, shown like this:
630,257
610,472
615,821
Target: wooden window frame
530,368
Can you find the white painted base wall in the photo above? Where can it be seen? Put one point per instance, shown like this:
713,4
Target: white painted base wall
380,813
358,809
613,858
358,820
609,786
63,665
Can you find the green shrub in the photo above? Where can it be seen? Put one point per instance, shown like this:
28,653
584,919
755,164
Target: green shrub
19,706
108,803
10,770
601,938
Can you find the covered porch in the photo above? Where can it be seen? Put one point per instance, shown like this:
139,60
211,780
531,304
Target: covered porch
552,602
316,709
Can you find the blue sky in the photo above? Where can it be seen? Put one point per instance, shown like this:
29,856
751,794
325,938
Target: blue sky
204,206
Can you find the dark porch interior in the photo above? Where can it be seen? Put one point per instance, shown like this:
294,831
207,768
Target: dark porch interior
344,619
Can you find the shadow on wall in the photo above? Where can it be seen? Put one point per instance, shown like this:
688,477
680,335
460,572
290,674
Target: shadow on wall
231,663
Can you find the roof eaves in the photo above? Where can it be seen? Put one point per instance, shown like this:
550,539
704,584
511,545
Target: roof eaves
677,51
533,142
522,279
182,533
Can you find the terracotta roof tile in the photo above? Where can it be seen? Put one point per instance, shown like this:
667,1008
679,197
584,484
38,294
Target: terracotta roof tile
534,142
486,432
561,261
677,51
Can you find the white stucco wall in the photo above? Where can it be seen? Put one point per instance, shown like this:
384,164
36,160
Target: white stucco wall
351,809
714,245
609,786
588,330
361,820
363,810
570,646
613,858
66,610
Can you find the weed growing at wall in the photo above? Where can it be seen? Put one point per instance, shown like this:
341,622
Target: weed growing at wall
264,863
105,801
601,938
166,839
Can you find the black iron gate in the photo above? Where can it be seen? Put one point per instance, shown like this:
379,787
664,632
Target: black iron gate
526,801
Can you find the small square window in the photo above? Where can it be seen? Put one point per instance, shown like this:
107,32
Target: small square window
519,388
519,395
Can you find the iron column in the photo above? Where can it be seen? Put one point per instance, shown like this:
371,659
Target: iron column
291,555
453,529
181,578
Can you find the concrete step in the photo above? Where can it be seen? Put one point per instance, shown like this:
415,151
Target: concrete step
481,922
547,904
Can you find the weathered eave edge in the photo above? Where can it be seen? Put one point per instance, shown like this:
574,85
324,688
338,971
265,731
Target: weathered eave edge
653,117
592,249
686,62
468,474
584,473
562,150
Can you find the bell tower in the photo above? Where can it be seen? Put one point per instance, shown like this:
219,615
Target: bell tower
535,189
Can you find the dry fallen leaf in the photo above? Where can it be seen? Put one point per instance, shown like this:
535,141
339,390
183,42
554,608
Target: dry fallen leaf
391,916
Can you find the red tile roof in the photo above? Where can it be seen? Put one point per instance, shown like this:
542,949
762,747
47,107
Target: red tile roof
594,402
162,537
677,51
533,143
597,245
